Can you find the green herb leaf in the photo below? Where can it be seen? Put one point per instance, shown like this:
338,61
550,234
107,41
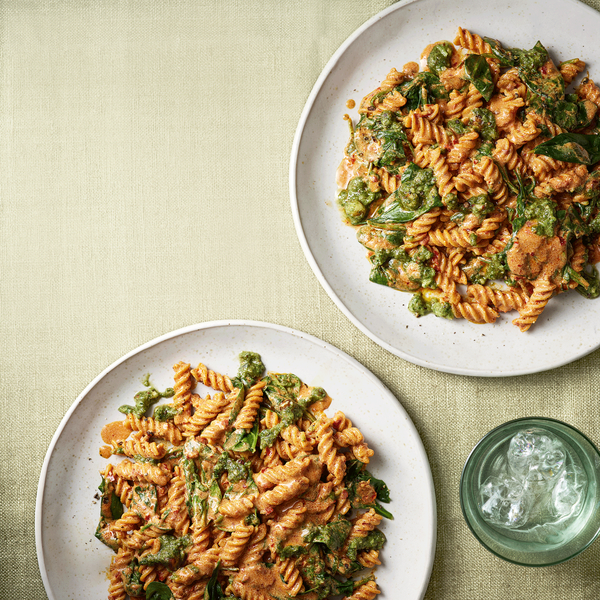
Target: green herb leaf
245,440
237,403
333,534
116,508
592,290
439,57
378,275
171,551
478,73
213,590
158,591
572,147
355,473
425,88
416,195
373,541
345,587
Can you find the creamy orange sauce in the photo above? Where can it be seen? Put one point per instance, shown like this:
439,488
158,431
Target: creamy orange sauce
453,78
368,147
345,172
116,431
350,103
533,255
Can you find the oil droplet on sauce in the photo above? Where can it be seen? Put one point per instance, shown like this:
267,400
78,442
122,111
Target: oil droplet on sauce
350,103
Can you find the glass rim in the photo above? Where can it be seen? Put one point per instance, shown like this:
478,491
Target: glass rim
462,478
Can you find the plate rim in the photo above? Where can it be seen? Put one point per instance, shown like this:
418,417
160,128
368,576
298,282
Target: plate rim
293,180
419,447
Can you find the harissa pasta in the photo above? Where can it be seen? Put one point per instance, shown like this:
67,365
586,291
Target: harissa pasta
480,168
247,492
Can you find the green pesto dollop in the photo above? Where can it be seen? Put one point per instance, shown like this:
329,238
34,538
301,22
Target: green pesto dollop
146,398
543,211
251,367
416,187
421,307
356,199
417,305
165,412
481,206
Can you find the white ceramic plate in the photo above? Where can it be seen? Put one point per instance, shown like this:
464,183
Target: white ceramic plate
73,562
570,326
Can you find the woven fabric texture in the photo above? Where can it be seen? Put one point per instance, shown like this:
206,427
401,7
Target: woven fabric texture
144,150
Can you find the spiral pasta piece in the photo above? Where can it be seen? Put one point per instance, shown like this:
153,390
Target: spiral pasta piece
281,493
522,133
150,531
336,463
290,575
501,300
392,102
129,521
252,402
443,177
206,412
543,290
134,471
463,148
474,312
138,447
235,545
392,79
212,379
419,229
387,181
148,573
570,69
473,100
492,177
369,559
176,513
160,429
367,591
423,131
588,90
471,41
455,106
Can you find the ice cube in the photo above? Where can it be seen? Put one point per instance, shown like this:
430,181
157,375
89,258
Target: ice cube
503,502
552,463
569,491
520,452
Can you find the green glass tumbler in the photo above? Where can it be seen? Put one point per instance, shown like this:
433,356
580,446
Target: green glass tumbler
540,545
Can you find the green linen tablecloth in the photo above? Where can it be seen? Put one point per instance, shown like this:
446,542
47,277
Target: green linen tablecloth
144,148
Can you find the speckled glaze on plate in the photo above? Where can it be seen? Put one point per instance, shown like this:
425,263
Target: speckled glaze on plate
569,328
73,563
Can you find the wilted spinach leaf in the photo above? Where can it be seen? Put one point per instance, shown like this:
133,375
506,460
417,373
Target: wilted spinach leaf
416,195
425,88
439,57
158,591
572,147
478,73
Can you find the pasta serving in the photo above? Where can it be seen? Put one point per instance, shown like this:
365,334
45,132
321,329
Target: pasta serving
477,169
245,493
